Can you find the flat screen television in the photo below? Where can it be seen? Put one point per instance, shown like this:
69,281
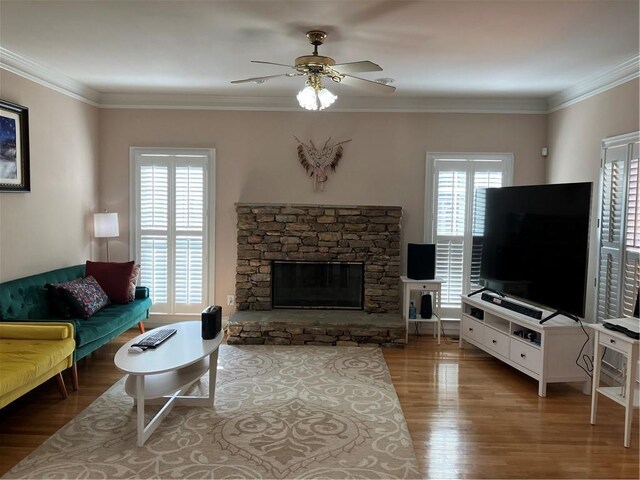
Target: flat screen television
536,242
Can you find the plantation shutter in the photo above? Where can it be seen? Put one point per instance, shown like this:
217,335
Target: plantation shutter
189,226
631,274
458,218
451,191
154,231
170,222
482,180
618,276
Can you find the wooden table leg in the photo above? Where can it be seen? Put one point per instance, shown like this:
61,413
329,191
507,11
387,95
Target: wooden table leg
61,387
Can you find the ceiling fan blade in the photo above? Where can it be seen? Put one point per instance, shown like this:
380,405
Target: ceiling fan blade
367,84
263,79
272,63
356,67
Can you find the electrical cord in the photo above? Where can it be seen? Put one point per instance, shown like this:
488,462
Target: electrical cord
447,340
585,357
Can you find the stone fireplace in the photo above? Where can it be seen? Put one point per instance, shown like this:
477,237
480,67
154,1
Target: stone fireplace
369,235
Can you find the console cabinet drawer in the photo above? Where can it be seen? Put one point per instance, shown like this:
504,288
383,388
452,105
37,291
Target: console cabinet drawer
496,341
525,355
612,342
472,329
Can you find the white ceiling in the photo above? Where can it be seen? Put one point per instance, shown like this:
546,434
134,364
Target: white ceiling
526,49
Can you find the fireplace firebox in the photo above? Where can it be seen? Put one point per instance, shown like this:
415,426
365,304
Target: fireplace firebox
321,285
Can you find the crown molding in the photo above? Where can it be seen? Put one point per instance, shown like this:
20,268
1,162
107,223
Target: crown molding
53,79
48,77
345,104
595,84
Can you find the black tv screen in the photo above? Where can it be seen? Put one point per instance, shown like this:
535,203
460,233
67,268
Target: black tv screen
536,242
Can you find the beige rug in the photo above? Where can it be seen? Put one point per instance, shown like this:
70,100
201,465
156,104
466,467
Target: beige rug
280,412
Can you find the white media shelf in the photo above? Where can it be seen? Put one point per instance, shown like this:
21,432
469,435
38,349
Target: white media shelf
551,360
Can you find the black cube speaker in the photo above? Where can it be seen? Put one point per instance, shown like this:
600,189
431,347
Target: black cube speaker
421,261
211,322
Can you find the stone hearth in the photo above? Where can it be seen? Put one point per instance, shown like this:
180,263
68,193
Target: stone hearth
316,327
368,234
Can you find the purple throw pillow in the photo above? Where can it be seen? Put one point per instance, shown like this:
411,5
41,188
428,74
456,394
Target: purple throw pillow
85,296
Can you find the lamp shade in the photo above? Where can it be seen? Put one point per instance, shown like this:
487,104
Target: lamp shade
105,225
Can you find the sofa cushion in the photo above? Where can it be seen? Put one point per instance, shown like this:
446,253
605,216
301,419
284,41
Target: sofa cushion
85,296
25,360
113,277
107,320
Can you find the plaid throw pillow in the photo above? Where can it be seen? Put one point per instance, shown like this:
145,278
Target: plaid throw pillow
85,297
133,280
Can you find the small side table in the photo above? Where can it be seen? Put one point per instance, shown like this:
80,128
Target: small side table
626,396
434,286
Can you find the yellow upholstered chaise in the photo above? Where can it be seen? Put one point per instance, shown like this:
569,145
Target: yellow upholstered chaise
30,354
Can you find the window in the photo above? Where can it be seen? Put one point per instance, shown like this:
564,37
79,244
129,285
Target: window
455,216
169,225
618,228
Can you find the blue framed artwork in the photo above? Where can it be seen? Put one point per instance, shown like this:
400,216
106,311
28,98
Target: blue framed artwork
14,148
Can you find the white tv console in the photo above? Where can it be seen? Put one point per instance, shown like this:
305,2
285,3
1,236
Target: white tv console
552,360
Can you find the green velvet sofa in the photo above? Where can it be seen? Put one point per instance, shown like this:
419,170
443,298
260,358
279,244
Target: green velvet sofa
25,299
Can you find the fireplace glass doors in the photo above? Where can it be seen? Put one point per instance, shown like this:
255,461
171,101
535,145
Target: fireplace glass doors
322,285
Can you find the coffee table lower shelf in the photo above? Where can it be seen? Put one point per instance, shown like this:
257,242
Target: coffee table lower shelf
168,389
162,384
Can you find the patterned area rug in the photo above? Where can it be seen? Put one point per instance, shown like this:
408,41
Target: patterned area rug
280,412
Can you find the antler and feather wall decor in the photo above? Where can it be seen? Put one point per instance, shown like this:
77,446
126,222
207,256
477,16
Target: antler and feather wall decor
316,162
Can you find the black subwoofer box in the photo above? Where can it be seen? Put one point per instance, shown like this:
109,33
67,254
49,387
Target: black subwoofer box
426,307
421,261
211,322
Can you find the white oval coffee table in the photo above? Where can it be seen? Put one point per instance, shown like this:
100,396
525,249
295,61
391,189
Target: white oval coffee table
163,375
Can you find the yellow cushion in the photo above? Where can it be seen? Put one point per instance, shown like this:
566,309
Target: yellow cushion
23,361
30,354
36,331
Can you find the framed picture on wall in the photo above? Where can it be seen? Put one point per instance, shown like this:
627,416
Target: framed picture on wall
14,148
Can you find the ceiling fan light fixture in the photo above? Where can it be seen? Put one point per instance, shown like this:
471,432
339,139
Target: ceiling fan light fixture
326,98
307,98
314,96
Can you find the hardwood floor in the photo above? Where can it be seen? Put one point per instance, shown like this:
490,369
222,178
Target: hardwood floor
470,416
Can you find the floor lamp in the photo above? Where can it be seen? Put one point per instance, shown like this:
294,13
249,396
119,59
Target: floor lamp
105,225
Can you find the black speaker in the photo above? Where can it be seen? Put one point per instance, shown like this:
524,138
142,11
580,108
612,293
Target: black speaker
421,261
426,307
211,322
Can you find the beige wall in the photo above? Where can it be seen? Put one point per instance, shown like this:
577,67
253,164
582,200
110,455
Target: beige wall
256,162
574,137
50,227
384,164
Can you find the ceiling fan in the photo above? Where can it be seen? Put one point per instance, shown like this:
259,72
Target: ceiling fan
315,66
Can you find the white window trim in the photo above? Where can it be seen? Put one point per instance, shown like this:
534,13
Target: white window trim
429,181
429,198
612,142
209,230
